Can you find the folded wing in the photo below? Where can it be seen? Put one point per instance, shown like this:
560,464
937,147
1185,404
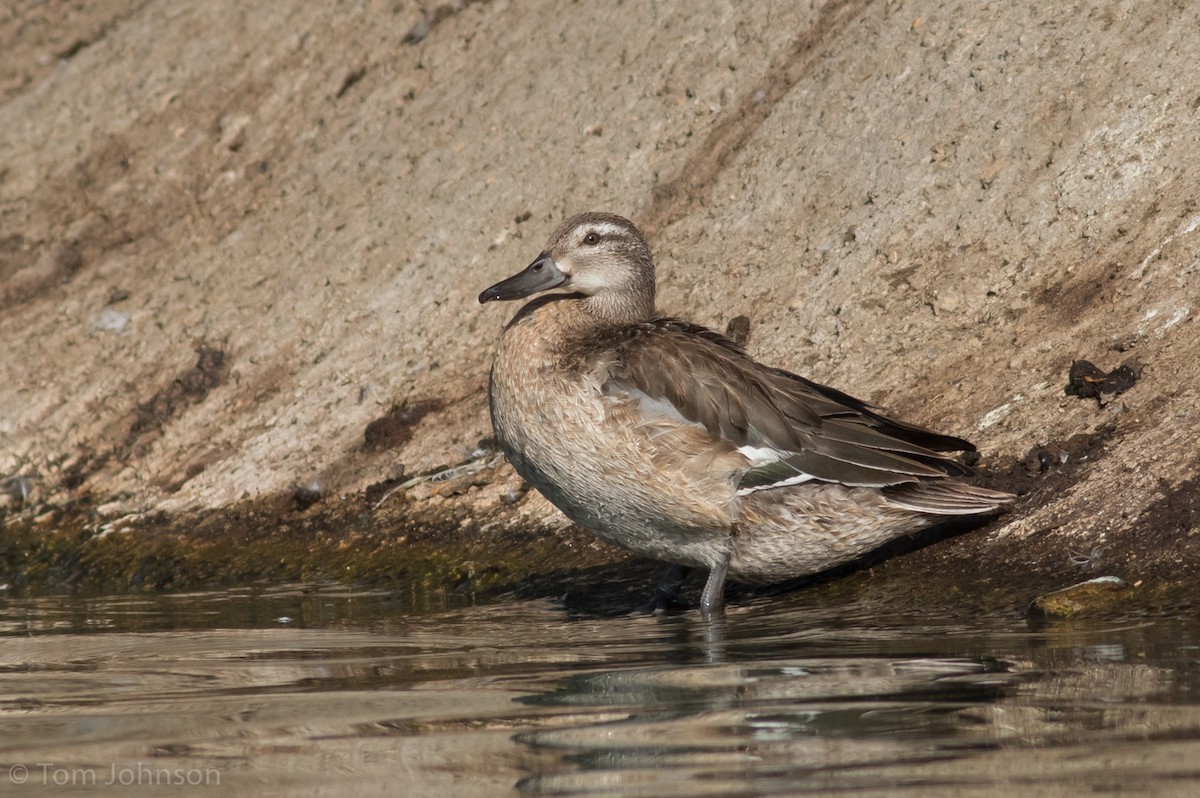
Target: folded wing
791,430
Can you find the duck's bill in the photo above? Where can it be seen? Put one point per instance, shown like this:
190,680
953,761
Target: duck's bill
541,275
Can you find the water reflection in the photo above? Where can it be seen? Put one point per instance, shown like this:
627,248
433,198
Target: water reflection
296,691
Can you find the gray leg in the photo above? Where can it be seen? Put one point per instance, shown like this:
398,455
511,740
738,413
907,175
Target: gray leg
714,589
666,592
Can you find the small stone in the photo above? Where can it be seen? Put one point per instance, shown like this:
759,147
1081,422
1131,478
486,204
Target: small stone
1093,597
1087,381
738,330
307,495
110,320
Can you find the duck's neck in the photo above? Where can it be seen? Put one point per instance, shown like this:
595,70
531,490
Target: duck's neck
620,308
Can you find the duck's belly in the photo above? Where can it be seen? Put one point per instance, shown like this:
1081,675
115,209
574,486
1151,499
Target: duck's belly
613,480
805,529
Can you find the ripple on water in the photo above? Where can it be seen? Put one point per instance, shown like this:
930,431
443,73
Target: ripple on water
362,693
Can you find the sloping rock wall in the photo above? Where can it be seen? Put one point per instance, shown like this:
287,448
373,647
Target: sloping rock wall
240,245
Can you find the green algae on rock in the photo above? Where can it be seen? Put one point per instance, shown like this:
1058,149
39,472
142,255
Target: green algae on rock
1093,597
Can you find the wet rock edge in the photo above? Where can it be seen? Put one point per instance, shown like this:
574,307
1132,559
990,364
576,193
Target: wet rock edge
425,542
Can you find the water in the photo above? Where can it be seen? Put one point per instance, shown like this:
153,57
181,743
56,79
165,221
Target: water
329,691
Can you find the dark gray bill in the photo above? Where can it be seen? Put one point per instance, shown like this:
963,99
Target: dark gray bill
540,275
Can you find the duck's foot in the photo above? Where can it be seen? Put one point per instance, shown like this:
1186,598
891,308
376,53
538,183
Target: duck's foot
713,596
666,594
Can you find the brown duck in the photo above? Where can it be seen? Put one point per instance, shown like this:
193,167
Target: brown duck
668,439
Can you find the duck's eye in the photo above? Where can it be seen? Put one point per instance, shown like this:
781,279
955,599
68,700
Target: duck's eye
591,238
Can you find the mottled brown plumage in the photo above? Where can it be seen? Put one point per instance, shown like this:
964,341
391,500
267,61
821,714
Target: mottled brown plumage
667,438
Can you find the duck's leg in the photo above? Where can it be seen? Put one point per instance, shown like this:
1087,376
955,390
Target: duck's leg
714,589
666,592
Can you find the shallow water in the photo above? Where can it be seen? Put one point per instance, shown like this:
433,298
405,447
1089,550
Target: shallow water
328,691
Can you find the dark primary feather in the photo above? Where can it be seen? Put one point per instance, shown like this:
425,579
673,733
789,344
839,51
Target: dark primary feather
828,434
946,498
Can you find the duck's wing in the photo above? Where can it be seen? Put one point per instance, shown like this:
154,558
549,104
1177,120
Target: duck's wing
790,429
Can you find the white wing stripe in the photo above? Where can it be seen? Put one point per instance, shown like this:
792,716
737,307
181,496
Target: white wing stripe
796,480
762,455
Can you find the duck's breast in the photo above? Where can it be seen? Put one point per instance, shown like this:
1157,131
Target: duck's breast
654,484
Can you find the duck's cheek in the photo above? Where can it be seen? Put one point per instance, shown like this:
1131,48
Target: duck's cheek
587,283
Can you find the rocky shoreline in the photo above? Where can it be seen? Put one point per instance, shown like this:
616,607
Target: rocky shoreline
239,251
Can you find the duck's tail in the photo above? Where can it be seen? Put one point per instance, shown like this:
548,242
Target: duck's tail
947,497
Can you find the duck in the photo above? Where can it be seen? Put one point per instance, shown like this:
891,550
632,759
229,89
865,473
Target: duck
668,439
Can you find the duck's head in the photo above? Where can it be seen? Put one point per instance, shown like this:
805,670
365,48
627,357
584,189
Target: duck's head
601,257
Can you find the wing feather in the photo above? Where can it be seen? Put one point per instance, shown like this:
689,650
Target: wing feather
806,430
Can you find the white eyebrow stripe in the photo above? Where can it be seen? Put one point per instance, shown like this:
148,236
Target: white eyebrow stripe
606,229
